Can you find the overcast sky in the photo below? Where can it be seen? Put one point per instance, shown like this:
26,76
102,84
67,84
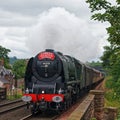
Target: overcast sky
30,26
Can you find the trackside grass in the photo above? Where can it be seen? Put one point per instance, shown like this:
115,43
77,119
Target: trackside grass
111,99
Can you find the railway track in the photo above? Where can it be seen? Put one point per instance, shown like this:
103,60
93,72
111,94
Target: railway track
26,117
31,117
7,107
10,102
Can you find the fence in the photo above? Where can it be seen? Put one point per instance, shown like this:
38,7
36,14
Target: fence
3,93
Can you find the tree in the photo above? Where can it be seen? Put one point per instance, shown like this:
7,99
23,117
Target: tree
110,14
104,11
97,65
4,55
12,59
19,68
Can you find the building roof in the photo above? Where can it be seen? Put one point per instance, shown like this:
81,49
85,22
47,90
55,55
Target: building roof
4,71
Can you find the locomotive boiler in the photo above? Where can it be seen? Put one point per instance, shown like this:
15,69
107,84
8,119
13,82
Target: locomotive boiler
54,81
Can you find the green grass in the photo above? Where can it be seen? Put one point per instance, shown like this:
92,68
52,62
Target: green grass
13,97
111,99
93,119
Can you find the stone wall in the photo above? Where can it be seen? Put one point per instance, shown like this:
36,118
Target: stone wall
110,113
93,107
85,110
98,104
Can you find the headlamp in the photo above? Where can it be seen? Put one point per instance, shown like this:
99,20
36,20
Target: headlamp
57,99
26,98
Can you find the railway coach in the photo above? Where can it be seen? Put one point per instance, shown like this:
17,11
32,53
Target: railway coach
54,81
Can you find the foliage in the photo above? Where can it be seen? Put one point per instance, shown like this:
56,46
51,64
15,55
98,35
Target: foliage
94,64
104,11
12,60
14,97
19,68
98,4
109,83
97,65
93,119
110,14
4,55
111,97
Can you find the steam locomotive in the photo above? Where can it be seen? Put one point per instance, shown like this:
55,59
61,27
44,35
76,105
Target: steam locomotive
54,81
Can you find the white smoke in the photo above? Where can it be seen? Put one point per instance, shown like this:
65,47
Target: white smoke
63,31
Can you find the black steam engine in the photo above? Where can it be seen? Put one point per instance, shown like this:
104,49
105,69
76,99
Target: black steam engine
53,81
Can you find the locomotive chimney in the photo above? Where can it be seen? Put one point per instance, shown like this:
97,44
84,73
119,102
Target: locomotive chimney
49,50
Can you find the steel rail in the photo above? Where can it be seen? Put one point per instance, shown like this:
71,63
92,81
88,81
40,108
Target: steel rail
11,102
26,117
12,108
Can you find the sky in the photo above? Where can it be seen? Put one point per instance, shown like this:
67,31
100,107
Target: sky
28,27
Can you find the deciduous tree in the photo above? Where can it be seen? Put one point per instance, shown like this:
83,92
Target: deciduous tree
105,11
19,68
4,56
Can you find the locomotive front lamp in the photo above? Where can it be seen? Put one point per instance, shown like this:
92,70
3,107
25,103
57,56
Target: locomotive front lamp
57,99
26,98
43,91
